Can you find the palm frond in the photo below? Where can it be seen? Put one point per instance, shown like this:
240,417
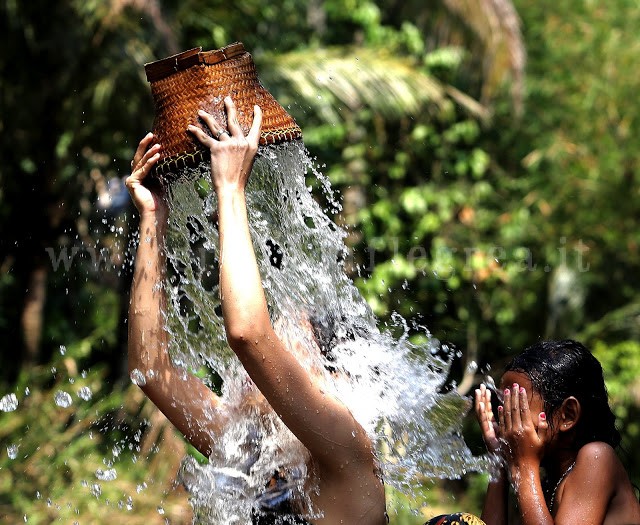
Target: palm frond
497,26
337,80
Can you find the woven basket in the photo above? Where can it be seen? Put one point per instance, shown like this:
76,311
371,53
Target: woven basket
184,83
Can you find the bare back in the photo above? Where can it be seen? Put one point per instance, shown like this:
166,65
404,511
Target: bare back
624,507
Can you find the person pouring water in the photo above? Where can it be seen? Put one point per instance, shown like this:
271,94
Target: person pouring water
341,455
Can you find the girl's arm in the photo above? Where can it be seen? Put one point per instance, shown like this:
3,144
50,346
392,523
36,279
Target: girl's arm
494,510
323,424
184,399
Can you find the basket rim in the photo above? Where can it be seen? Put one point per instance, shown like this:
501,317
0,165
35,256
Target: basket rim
165,67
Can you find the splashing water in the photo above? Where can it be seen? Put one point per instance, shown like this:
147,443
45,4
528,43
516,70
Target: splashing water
106,475
8,403
12,451
85,393
415,426
62,399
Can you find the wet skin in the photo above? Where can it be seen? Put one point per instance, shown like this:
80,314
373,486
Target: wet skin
591,484
349,489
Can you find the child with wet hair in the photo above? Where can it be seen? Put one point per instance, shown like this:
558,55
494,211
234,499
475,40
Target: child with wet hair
556,435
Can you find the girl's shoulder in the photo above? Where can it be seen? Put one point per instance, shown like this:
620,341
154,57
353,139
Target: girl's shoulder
600,477
599,459
596,452
592,476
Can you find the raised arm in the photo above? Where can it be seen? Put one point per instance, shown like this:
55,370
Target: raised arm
323,424
183,398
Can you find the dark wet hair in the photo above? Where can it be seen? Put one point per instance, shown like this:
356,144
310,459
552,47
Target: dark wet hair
560,369
324,331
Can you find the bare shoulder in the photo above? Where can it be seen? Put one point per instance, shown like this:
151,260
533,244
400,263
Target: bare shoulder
597,461
600,462
597,452
600,478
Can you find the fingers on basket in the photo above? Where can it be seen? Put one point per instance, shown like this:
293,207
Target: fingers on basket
143,147
204,139
151,156
141,167
232,118
234,124
254,133
234,128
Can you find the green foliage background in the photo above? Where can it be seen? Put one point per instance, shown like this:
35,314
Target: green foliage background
489,184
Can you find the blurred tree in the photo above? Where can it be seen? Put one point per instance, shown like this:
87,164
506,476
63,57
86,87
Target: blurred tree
67,83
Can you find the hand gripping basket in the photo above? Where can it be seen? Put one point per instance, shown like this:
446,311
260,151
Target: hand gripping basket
184,83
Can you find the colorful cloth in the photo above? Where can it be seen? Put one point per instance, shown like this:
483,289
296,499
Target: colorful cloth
459,518
277,505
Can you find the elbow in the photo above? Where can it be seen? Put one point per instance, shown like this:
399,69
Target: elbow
244,334
239,336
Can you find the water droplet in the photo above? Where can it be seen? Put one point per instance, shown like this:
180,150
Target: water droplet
63,349
106,475
85,393
12,451
9,403
62,399
137,377
95,490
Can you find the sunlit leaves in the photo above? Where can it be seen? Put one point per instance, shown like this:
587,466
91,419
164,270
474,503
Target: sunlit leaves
335,82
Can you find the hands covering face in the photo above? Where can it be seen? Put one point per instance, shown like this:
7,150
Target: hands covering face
514,435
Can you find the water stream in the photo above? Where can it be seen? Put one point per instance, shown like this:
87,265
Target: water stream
414,423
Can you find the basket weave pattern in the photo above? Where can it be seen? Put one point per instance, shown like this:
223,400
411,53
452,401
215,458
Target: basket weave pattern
180,94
